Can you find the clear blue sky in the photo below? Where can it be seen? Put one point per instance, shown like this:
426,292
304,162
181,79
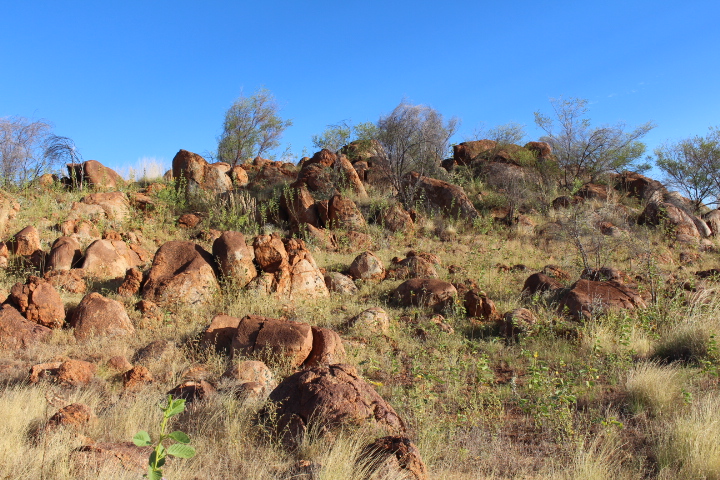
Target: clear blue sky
128,80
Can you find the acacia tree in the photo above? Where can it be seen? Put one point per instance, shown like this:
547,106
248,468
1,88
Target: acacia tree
585,152
28,149
252,127
692,166
413,138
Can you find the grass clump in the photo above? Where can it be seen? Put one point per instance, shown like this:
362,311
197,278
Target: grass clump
688,445
654,388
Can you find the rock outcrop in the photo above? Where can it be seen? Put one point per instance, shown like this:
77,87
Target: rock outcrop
181,272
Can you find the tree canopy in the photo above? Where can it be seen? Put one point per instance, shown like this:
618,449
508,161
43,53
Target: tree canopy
252,127
586,152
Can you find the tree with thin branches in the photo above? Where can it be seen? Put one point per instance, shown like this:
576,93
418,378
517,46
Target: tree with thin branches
251,128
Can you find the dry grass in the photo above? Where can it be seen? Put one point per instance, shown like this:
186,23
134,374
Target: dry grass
654,388
687,445
463,395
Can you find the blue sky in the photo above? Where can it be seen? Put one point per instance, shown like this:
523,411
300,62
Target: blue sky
128,80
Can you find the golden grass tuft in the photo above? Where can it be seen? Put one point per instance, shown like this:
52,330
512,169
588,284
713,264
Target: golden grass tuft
688,445
654,388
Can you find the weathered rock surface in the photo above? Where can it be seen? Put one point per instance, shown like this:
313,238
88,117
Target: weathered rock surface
220,333
678,220
367,266
374,319
517,322
393,457
477,304
109,259
64,254
540,282
332,395
25,242
343,213
397,219
235,258
76,373
412,266
115,205
299,205
136,378
193,390
587,297
267,337
17,332
193,172
101,459
446,197
72,281
131,284
76,416
425,292
95,174
252,371
289,269
39,302
339,283
181,272
96,315
327,348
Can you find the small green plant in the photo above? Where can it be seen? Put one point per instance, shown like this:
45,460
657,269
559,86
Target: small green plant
181,449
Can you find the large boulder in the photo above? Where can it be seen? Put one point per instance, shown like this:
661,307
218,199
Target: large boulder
446,197
25,242
235,258
712,220
220,333
306,280
338,283
397,219
681,222
288,269
542,150
367,266
39,302
539,283
9,208
65,253
193,172
299,205
349,177
95,174
343,213
327,348
412,266
109,259
425,292
99,316
115,205
466,153
181,272
270,252
640,186
586,298
373,320
17,332
330,396
270,337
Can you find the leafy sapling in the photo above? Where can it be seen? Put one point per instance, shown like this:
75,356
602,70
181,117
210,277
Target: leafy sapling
181,449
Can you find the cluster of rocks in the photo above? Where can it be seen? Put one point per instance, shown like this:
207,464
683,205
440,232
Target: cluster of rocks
597,291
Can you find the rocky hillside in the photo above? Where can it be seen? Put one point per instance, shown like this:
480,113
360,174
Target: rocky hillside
339,319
